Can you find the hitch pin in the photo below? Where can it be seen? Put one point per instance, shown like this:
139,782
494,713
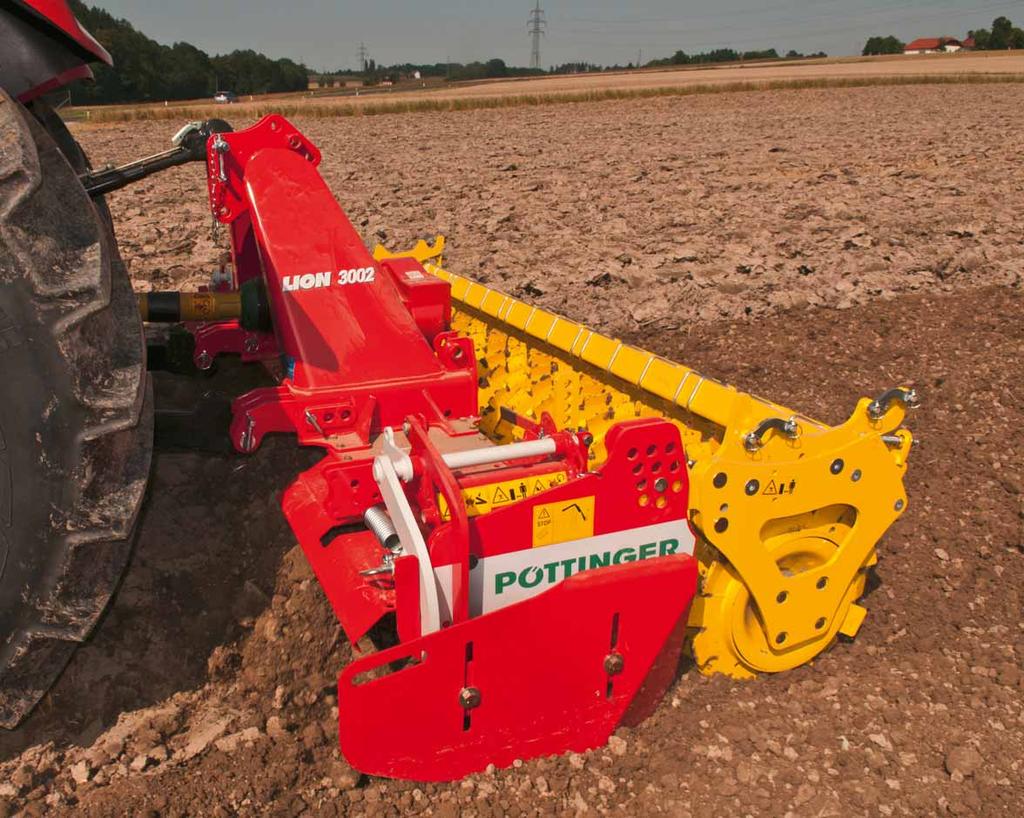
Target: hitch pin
387,566
312,421
221,147
247,435
896,442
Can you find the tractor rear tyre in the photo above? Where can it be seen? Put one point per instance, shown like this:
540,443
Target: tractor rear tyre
75,406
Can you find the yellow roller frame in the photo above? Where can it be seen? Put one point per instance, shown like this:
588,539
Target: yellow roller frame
789,510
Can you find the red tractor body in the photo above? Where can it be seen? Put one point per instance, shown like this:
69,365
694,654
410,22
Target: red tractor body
45,48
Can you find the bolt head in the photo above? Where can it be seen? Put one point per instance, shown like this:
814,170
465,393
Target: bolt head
614,663
751,487
469,698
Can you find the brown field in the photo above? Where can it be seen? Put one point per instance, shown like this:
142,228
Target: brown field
978,67
810,245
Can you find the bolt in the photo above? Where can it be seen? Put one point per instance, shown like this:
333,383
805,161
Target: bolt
782,597
660,484
782,637
613,664
203,360
821,583
721,524
469,698
820,623
720,480
856,475
252,344
751,487
837,466
588,439
247,438
899,505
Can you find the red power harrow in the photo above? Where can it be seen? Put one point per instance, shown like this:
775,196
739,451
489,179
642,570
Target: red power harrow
532,629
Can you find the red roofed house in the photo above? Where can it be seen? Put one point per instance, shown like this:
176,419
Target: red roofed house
933,45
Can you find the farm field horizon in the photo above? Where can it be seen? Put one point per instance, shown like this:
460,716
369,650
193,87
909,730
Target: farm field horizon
979,67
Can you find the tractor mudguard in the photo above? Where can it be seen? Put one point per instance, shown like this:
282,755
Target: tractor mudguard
554,673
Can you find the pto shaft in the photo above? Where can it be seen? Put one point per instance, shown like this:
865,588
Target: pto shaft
174,307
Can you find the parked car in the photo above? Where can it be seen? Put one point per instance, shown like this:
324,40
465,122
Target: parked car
225,97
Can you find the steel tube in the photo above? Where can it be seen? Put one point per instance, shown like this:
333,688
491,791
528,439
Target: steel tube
497,454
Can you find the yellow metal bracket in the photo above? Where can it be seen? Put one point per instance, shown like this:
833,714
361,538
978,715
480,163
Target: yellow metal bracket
832,490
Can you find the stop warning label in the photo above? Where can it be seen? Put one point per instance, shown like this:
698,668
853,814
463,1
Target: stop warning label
571,519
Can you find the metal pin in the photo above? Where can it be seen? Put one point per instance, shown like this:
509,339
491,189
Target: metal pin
312,421
248,436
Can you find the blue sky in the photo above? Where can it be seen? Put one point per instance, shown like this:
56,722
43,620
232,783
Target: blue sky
326,35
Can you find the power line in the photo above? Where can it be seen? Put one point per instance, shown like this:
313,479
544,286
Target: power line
535,27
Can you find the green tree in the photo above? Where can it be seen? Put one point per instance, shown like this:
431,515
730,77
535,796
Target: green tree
146,70
883,45
1002,32
982,38
496,68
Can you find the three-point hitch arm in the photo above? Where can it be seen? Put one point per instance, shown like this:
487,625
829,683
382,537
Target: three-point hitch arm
189,146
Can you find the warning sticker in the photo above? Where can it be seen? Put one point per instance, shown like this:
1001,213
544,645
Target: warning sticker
482,499
782,487
571,519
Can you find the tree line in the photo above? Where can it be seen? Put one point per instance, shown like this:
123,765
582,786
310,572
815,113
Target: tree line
720,55
1003,35
374,73
145,70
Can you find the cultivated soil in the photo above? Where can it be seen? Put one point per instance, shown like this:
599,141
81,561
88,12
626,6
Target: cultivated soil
811,246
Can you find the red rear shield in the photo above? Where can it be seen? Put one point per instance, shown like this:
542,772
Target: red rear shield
554,673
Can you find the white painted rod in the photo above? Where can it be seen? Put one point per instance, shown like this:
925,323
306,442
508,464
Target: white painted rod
497,454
